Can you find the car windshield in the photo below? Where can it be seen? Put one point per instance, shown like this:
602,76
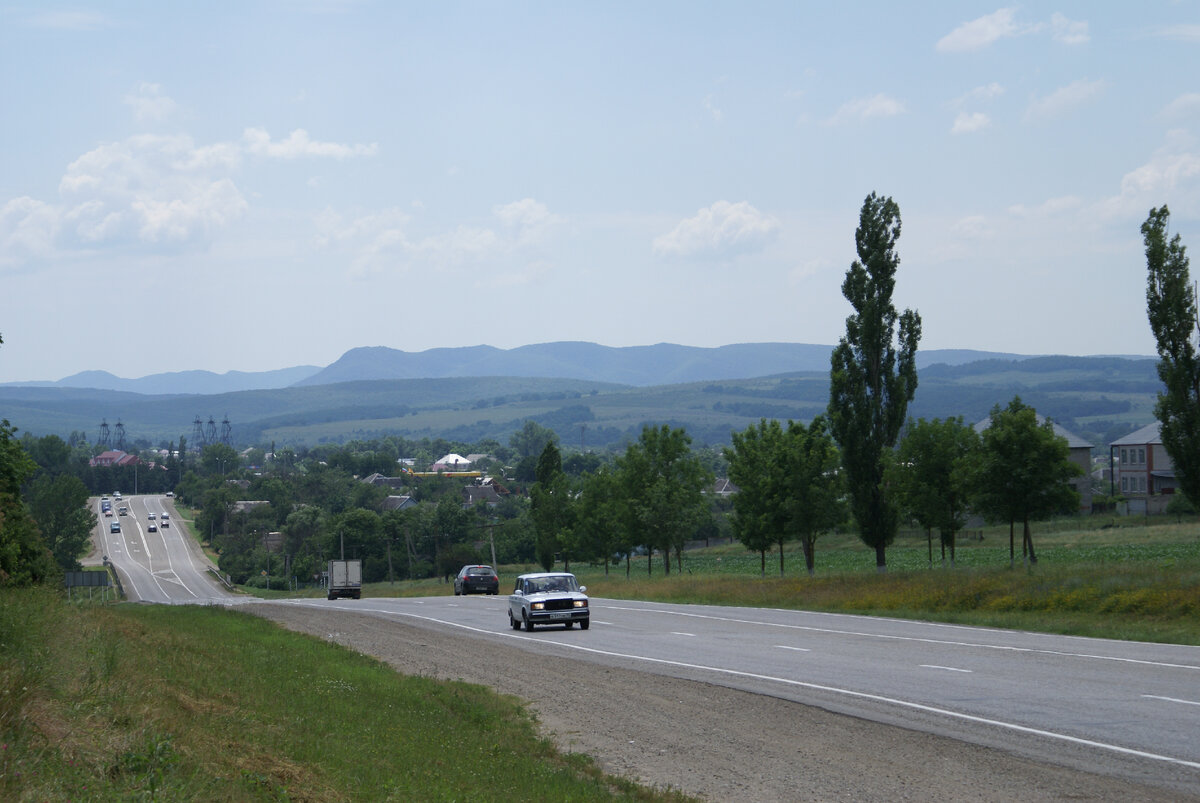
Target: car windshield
541,585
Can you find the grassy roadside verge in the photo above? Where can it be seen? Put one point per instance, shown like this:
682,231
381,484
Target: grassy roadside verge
123,702
1138,581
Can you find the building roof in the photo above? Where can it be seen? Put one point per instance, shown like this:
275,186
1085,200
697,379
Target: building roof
1151,433
452,461
1073,440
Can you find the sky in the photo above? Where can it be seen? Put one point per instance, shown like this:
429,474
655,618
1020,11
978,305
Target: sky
258,185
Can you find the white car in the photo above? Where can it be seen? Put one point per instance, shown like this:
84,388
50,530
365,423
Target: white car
151,514
548,598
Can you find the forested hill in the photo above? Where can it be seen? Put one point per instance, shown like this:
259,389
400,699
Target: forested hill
1098,398
663,363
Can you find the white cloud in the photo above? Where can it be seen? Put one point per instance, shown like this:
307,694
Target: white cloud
1183,32
28,228
526,212
722,228
1001,24
380,241
866,108
530,219
149,104
981,93
148,188
979,33
1171,175
1185,105
970,122
1063,99
973,227
298,144
1068,31
711,105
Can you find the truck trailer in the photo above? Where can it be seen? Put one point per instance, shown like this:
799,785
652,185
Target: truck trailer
345,579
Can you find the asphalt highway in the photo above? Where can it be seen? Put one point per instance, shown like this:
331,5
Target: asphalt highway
1127,709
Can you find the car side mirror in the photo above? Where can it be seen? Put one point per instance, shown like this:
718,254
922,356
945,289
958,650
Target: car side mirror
518,593
583,589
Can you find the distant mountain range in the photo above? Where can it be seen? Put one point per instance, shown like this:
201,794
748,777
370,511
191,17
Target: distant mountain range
640,366
180,382
709,392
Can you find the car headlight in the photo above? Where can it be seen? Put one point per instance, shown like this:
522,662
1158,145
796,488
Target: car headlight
537,606
581,603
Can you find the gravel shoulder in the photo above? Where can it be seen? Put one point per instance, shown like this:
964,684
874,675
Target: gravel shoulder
712,742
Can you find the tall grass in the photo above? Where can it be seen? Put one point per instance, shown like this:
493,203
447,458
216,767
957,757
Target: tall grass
187,703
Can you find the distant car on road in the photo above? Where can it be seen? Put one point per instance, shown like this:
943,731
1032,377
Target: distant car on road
114,527
476,578
165,521
171,494
548,598
153,528
151,515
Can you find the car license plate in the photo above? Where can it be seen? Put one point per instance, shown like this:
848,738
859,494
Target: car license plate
560,616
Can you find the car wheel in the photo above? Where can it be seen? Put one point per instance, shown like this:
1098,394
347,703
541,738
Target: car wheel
513,623
583,625
570,625
528,623
456,592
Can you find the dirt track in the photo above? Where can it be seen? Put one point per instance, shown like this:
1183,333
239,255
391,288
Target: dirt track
715,743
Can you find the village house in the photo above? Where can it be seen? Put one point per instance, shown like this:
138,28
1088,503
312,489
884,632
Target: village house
1143,472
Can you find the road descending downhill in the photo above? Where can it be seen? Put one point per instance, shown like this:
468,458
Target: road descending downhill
717,743
741,704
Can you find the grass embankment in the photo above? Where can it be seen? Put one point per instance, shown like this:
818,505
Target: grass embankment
188,703
1135,581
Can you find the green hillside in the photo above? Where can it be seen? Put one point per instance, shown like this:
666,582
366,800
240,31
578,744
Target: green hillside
1099,398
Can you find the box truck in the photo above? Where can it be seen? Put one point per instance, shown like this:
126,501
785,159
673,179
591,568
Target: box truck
345,579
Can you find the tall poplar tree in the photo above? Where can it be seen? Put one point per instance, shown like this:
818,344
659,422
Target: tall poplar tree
550,506
1171,305
874,373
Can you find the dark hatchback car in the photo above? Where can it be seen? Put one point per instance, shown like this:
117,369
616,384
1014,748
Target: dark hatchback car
472,579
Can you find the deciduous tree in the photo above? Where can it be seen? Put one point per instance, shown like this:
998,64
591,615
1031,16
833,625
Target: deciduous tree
787,486
60,507
663,483
931,472
874,373
1022,472
550,505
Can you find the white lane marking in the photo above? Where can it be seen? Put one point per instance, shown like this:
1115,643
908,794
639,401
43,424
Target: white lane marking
919,639
1171,699
946,668
795,649
677,633
787,682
